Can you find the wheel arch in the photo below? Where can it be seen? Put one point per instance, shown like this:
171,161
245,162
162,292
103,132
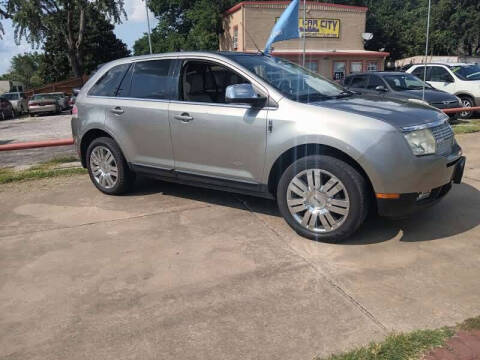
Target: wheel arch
87,139
299,151
466,94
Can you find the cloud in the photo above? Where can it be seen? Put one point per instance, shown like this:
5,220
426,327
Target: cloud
136,11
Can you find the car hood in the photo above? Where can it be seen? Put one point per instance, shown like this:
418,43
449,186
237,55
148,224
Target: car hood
398,113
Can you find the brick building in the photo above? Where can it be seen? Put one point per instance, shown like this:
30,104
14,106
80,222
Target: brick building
334,44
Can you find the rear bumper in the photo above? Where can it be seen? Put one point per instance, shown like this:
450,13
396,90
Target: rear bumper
410,203
42,109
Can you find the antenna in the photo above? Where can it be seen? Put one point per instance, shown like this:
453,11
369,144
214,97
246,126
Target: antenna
254,43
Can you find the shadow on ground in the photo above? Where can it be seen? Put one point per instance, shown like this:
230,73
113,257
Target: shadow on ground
454,215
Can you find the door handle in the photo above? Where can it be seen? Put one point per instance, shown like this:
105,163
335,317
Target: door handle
185,117
117,110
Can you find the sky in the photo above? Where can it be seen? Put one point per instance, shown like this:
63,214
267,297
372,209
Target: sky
129,31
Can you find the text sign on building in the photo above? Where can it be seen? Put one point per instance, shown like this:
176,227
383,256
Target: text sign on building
319,27
322,28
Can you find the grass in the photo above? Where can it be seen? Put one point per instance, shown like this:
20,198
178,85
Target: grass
466,127
409,346
45,170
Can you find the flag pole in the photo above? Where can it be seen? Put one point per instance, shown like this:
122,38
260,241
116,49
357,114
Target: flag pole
304,30
149,31
426,49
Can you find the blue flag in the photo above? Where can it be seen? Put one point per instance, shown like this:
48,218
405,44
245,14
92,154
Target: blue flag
286,26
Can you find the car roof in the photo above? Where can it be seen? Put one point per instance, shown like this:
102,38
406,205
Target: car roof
445,64
377,73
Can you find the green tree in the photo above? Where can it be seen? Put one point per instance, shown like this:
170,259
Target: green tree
28,69
100,46
36,20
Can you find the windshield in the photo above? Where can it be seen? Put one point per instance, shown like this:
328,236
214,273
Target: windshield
293,81
466,72
11,96
402,82
42,97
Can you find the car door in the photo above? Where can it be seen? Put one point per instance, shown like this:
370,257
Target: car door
138,114
441,79
210,137
374,81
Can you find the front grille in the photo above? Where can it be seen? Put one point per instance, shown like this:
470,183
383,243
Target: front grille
445,104
444,137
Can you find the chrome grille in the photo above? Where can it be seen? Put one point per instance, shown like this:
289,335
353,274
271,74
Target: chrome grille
444,137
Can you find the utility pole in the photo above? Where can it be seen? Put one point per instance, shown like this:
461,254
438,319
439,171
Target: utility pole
149,31
426,49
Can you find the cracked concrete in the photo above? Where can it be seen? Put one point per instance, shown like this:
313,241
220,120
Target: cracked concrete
172,272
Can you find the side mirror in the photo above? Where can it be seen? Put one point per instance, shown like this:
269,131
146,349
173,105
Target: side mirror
243,94
381,88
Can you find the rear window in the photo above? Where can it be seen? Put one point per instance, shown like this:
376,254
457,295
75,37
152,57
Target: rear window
109,82
151,80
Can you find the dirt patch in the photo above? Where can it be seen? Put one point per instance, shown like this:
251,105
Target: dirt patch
465,345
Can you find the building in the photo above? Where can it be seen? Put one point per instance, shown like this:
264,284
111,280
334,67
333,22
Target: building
10,86
437,59
334,44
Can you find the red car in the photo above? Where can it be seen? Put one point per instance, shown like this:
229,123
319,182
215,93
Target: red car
6,109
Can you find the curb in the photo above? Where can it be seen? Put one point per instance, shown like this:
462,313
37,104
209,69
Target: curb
36,144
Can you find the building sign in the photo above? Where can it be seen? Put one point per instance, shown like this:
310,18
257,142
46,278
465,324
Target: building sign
321,28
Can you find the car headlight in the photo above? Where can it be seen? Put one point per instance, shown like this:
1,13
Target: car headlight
422,142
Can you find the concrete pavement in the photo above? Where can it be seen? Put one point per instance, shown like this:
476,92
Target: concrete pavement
173,272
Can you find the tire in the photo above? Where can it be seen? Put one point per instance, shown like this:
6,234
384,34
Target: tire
124,180
466,102
341,188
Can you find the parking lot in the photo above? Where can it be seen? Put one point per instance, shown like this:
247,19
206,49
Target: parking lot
39,128
174,272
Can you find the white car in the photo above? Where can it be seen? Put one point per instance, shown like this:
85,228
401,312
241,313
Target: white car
462,80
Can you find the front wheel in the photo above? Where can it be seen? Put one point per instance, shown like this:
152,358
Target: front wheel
108,168
323,198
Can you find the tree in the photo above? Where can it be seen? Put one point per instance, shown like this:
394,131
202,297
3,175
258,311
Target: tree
99,46
185,25
36,20
28,69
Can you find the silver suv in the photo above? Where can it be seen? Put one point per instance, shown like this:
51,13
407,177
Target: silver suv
263,126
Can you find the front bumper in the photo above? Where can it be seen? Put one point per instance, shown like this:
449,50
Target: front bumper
410,203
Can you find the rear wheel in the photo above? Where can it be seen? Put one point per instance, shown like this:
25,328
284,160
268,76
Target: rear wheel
108,168
467,102
323,198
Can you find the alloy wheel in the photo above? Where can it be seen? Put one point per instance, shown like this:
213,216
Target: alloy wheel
466,104
318,200
104,167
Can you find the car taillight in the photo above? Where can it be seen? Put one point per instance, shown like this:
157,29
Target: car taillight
74,110
33,103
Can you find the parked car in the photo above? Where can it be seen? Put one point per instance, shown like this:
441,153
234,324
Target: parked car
62,99
43,103
263,126
18,101
6,109
401,86
462,80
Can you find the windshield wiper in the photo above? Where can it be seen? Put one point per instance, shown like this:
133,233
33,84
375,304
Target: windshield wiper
345,93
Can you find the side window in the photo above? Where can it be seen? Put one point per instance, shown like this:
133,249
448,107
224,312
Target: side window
207,82
359,82
347,81
126,84
150,80
418,72
374,82
439,74
109,82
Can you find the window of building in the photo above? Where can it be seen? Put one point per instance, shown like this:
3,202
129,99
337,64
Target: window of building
339,70
356,67
372,66
235,38
151,80
312,66
109,82
207,82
